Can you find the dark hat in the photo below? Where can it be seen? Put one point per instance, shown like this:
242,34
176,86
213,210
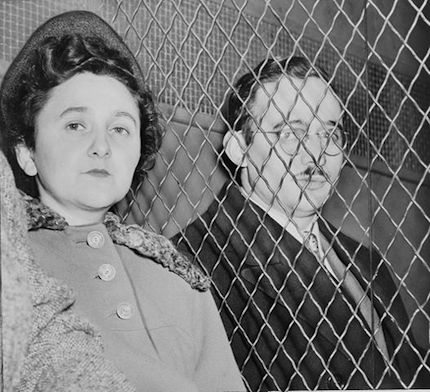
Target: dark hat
84,23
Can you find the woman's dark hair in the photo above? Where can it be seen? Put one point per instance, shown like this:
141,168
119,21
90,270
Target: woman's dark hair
59,59
242,97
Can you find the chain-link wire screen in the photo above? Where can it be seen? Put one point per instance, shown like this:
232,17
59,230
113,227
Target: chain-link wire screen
377,52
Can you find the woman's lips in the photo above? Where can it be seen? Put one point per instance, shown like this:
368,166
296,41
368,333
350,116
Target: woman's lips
98,173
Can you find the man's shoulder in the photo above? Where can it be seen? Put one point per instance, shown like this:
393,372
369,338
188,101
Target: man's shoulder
221,213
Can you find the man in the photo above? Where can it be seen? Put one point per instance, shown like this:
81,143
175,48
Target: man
304,306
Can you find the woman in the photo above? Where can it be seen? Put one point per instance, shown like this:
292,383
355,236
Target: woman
81,123
45,346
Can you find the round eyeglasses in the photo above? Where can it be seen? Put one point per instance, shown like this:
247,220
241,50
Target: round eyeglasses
333,141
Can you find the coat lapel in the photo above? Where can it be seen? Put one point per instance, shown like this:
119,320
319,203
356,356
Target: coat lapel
266,261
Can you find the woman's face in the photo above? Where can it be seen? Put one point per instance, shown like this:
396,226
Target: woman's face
87,146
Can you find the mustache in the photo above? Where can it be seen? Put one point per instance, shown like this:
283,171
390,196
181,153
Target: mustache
311,171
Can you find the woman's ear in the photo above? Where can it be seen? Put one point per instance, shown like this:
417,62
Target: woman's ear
235,147
24,156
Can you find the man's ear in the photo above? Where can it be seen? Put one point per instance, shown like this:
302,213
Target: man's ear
24,156
235,147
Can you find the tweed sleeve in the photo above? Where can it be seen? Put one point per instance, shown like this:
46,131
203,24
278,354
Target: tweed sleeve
16,306
47,347
67,355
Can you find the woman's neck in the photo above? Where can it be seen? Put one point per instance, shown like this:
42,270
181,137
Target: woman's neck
76,215
86,218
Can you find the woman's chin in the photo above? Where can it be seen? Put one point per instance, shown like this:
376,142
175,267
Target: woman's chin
99,202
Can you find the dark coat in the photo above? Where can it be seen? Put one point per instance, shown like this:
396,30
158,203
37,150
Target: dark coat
289,325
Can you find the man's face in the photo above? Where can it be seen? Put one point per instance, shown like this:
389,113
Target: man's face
288,165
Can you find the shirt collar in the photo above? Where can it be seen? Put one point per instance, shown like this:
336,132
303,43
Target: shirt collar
284,220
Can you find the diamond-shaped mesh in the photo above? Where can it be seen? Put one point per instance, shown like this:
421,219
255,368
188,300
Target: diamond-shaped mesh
192,52
378,53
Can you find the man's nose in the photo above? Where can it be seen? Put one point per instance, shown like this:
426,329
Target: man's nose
312,151
100,144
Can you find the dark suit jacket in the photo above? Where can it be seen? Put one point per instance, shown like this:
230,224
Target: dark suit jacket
290,326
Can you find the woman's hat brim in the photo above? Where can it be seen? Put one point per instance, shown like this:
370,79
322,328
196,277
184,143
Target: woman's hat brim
84,23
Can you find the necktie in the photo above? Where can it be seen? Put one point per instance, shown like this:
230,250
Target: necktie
352,286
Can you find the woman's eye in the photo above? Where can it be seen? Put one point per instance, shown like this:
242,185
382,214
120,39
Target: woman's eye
76,127
120,131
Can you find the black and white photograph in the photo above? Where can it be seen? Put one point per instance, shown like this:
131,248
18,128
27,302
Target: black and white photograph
214,195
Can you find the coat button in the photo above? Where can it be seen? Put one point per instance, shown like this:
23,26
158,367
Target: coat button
125,311
95,239
335,382
106,272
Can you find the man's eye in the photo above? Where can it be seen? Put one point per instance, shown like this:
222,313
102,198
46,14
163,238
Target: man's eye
326,134
76,127
286,134
297,133
335,135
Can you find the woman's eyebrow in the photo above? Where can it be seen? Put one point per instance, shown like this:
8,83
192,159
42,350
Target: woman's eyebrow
126,114
81,109
78,109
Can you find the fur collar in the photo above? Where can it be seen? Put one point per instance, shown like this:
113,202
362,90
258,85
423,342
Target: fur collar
144,242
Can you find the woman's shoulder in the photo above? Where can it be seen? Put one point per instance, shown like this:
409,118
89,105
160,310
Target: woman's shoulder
159,249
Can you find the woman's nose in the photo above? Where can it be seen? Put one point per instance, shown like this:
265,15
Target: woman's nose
312,151
100,145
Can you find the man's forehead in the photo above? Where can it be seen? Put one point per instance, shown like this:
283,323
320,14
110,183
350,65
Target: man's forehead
282,96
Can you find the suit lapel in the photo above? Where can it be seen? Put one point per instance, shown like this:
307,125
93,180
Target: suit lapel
375,277
275,263
267,252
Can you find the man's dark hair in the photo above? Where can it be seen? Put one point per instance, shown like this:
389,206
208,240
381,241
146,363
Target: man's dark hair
57,60
242,97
